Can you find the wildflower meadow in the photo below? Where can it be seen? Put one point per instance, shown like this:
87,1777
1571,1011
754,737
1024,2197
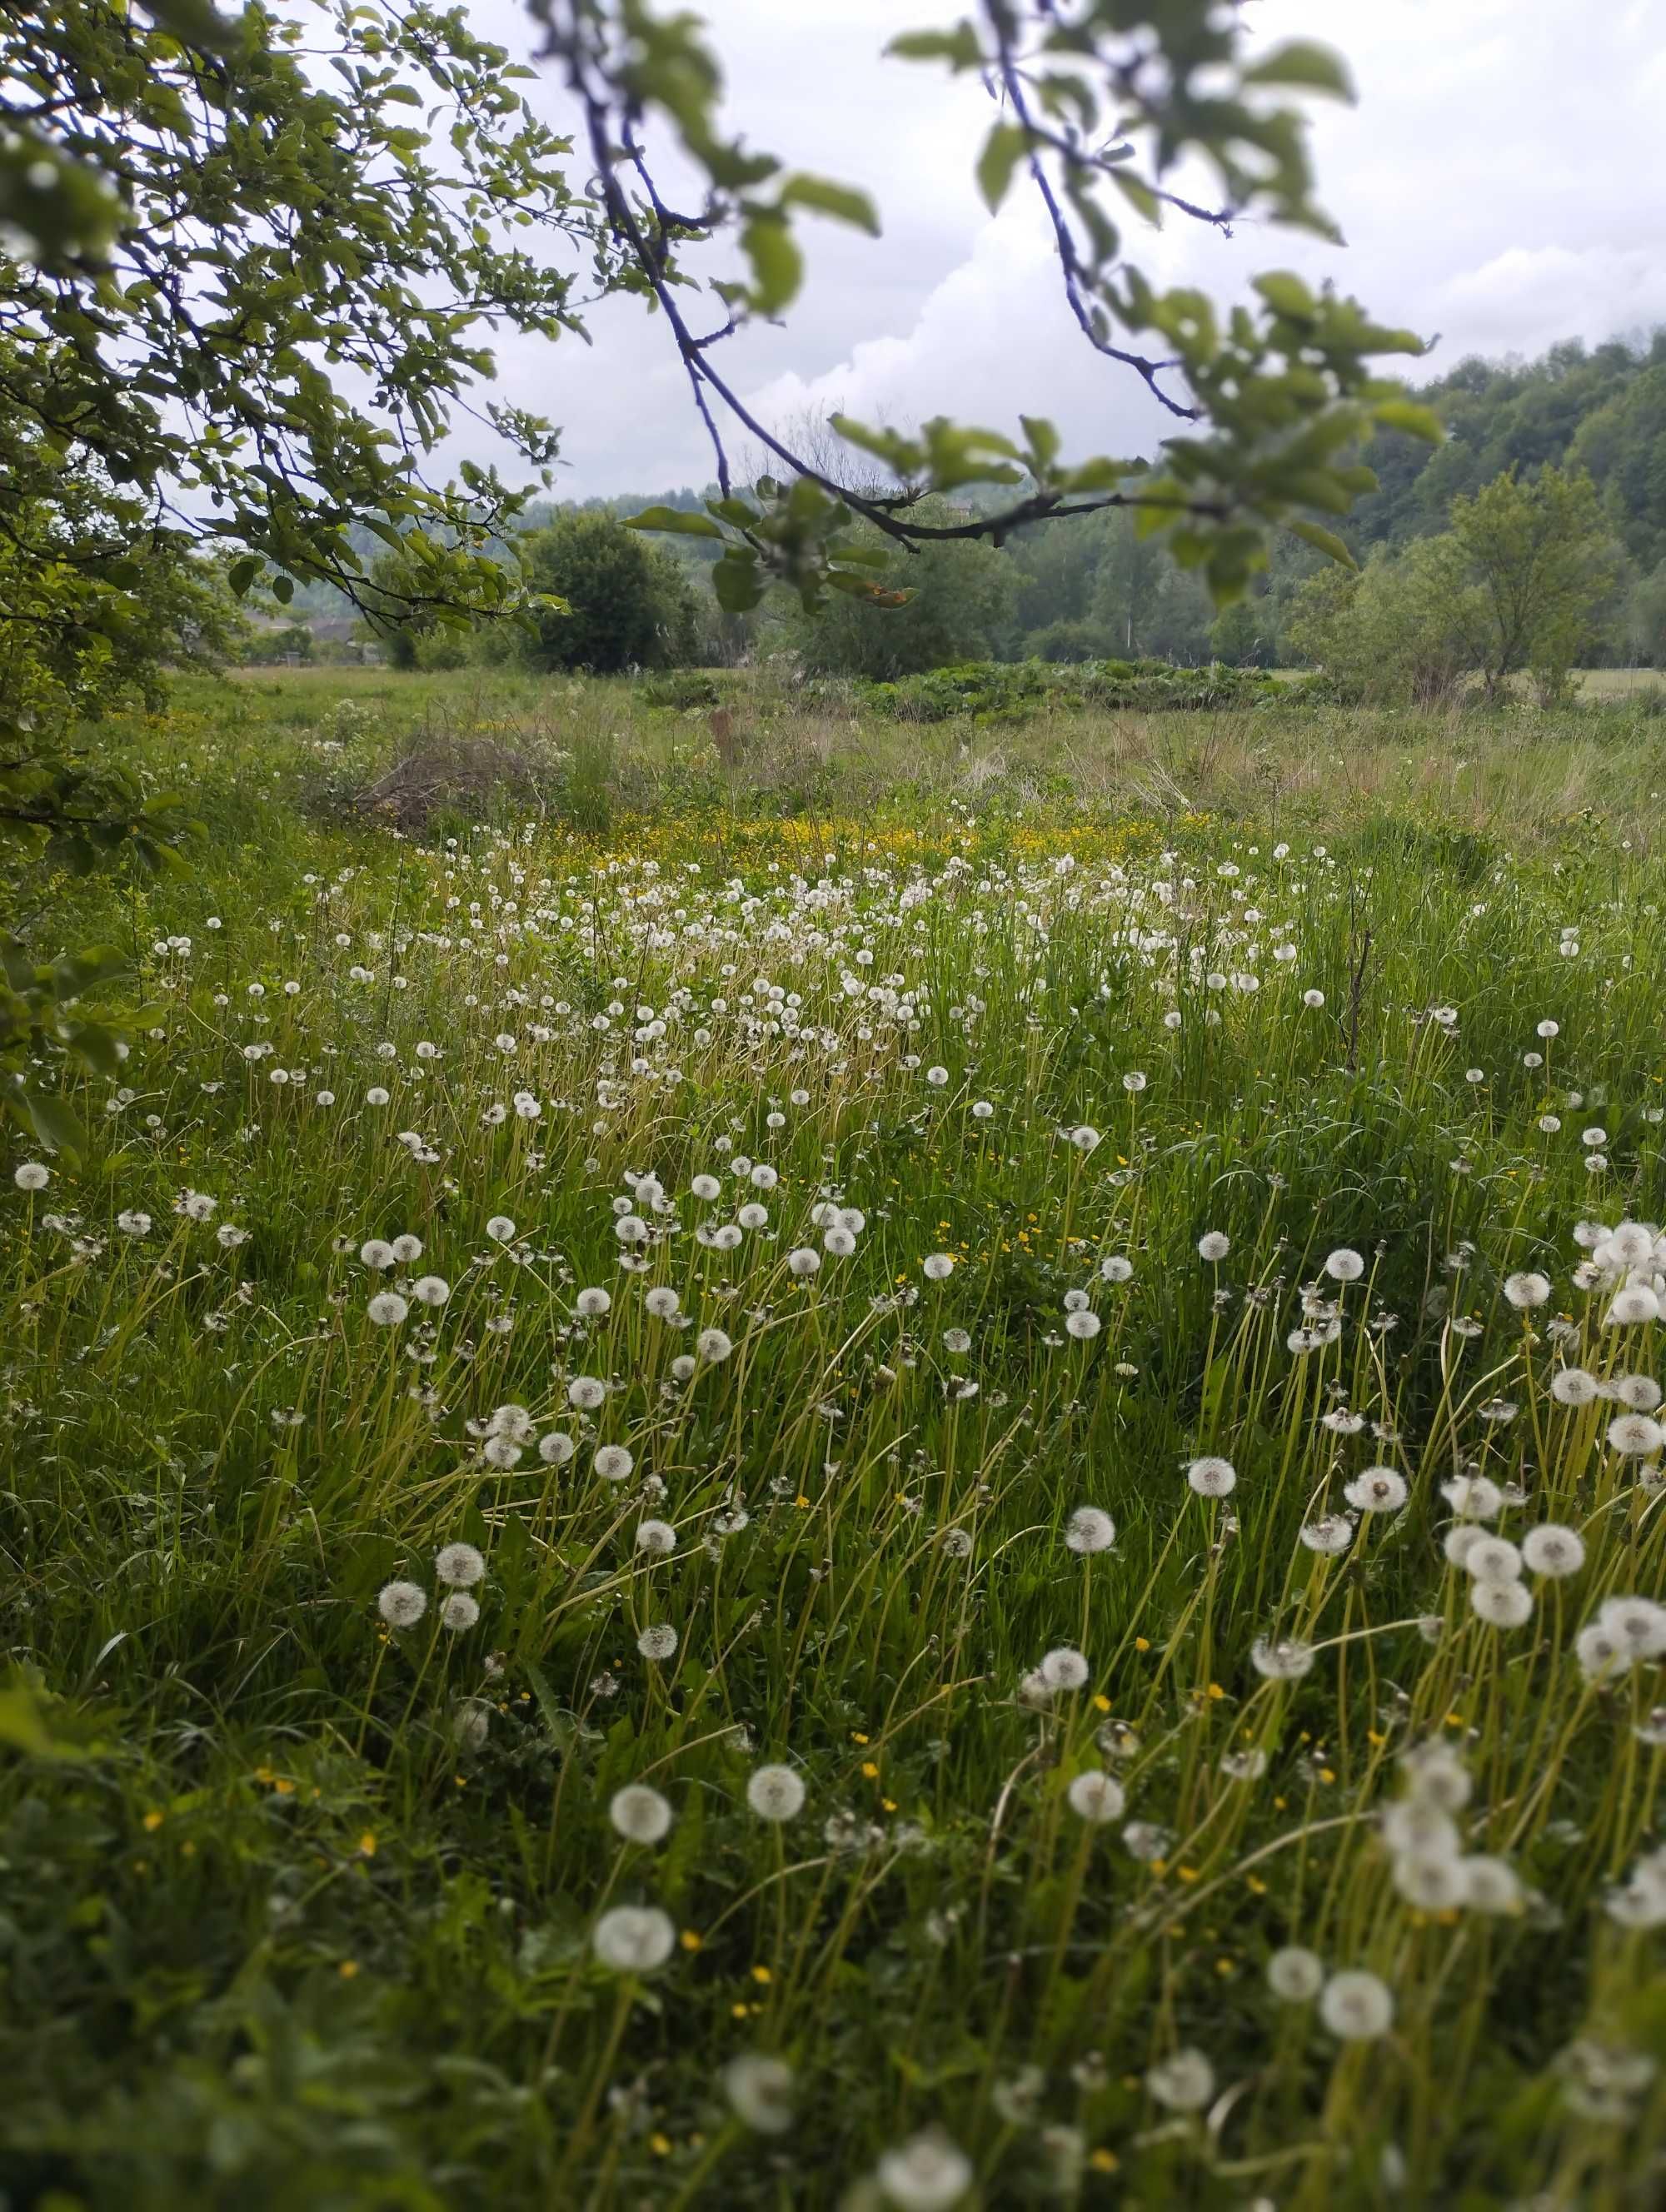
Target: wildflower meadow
946,1498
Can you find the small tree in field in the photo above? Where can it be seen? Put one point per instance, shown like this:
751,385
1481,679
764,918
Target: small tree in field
1401,631
1543,562
624,603
960,604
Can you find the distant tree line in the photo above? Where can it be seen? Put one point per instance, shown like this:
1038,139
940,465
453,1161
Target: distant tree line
1578,436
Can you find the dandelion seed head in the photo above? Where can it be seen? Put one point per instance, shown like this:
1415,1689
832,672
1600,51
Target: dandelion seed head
633,1939
402,1605
775,1793
639,1813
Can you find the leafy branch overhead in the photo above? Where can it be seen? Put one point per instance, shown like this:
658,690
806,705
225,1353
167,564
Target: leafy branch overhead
1097,105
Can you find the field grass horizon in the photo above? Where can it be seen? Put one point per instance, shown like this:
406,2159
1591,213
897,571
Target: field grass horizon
829,1462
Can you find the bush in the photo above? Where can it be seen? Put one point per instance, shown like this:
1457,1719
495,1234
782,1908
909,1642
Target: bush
1009,690
960,609
682,690
630,604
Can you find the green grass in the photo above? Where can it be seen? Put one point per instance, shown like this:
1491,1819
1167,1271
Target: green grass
299,1909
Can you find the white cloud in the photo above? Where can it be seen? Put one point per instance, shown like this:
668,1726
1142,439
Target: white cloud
1497,183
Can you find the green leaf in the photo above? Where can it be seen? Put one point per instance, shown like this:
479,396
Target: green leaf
737,581
284,589
241,574
843,202
1310,67
1043,439
961,47
1314,533
777,263
26,1726
1285,294
53,1122
679,521
1003,150
1410,416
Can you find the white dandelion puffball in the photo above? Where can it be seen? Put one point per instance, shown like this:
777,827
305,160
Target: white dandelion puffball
388,1308
1525,1291
1095,1796
1086,1139
657,1538
430,1289
929,2174
460,1566
1184,2082
1115,1269
592,1304
402,1605
1345,1264
1635,1436
662,1302
1377,1490
1501,1605
373,1253
1474,1497
1212,1245
1082,1325
1296,1975
1493,1560
1357,2006
1638,1393
640,1815
803,1261
585,1393
760,2092
713,1345
633,1939
500,1229
775,1793
612,1462
1089,1530
557,1448
459,1611
1281,1659
937,1266
1064,1669
1572,1385
1212,1477
1490,1885
1552,1550
32,1175
658,1641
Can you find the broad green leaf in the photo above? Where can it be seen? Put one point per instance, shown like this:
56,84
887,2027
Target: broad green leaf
26,1726
53,1122
961,47
1285,294
777,264
1003,150
676,520
1327,541
1411,416
843,202
1302,63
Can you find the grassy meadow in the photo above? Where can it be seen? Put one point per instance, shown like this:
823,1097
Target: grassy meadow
820,1463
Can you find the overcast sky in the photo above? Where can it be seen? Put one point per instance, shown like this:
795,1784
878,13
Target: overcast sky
1499,184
